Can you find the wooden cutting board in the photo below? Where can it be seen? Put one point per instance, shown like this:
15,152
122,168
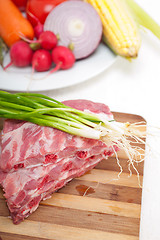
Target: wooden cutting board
109,210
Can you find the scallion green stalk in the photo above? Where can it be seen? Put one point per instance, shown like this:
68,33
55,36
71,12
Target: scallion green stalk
45,111
36,108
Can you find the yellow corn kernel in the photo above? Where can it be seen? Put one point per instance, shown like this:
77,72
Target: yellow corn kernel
119,29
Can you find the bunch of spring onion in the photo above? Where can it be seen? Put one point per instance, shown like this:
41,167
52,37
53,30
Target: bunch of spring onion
45,111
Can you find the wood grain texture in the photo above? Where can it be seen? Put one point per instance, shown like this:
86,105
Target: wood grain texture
98,205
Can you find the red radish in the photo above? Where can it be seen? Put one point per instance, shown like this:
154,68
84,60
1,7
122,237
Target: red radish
63,58
20,54
41,60
47,40
38,29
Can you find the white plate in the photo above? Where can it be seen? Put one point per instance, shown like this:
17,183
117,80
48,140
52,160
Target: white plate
17,79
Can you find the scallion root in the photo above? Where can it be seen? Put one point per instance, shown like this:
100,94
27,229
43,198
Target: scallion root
129,138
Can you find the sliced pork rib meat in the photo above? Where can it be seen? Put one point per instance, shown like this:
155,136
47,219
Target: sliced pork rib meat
36,161
26,145
31,145
25,188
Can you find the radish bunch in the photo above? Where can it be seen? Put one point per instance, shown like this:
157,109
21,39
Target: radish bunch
41,53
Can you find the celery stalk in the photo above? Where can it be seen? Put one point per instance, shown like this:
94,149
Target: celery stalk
3,51
143,18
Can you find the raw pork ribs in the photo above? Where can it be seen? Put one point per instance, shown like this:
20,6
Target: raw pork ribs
36,161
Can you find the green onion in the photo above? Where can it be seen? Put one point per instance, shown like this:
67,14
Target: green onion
50,102
18,99
143,18
45,111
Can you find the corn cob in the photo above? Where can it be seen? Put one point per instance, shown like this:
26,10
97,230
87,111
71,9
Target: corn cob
120,32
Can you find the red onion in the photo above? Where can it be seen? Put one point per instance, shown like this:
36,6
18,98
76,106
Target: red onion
78,26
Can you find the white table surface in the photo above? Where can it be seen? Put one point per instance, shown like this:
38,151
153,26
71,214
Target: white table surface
133,87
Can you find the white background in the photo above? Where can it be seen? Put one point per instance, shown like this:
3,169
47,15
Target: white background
133,87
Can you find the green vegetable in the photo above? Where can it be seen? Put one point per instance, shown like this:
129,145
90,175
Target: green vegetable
143,18
3,50
45,111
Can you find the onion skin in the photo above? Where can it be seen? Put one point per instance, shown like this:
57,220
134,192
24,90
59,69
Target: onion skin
78,25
